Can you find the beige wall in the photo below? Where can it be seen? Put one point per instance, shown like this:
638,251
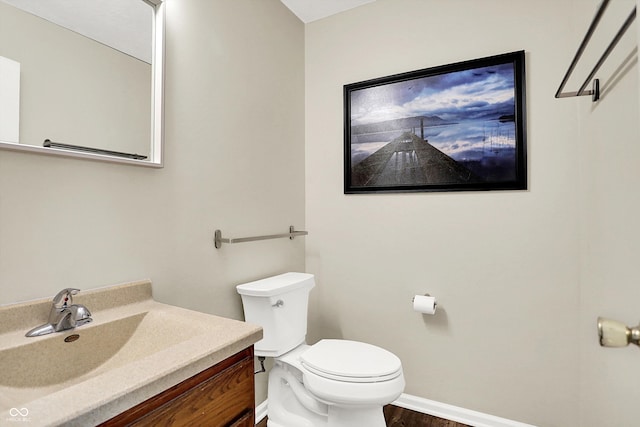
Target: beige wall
520,276
503,265
610,202
234,160
75,90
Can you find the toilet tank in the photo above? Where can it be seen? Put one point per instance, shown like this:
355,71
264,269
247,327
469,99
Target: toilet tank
278,304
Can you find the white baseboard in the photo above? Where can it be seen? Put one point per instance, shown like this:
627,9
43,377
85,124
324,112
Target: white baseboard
261,411
454,413
436,409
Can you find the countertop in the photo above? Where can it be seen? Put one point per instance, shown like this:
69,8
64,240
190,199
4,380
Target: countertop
187,343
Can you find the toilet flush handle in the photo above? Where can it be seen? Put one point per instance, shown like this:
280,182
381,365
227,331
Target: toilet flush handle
278,303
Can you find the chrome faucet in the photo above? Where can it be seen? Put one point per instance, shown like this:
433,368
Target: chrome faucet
64,314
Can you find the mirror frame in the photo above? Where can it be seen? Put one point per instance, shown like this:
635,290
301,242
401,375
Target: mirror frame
155,159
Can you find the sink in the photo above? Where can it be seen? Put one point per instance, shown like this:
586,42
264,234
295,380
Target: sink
63,358
132,350
60,358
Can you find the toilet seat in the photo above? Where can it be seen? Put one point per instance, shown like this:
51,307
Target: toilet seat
334,372
351,361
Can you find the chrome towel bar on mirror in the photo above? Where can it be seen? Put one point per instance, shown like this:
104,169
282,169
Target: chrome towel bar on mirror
51,144
219,240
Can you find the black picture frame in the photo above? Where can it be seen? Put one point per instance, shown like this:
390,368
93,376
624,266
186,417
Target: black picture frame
456,127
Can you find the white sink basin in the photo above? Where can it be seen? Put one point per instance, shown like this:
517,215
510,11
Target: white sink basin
129,353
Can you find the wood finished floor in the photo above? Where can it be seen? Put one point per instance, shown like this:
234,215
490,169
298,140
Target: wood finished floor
400,417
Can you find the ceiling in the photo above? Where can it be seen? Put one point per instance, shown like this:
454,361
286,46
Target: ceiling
126,25
312,10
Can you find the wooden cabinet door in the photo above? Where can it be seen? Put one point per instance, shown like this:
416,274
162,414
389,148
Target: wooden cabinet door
246,421
221,396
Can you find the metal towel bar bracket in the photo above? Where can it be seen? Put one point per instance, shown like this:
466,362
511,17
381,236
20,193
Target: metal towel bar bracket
219,240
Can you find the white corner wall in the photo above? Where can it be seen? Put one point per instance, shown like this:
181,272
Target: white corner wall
503,265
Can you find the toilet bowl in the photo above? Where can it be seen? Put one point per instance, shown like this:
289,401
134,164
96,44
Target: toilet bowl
333,383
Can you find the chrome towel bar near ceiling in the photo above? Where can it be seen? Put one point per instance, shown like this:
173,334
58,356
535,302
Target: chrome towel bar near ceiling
219,240
595,91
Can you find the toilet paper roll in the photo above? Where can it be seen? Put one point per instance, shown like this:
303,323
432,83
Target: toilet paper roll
424,304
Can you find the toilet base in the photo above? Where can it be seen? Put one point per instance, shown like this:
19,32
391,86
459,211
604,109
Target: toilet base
340,417
354,417
291,405
348,418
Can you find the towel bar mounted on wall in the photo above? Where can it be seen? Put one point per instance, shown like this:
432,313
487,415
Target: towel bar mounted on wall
595,91
219,240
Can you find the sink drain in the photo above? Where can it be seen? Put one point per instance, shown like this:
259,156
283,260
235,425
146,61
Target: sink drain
72,338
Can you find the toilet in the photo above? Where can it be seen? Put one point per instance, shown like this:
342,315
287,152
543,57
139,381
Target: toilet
333,383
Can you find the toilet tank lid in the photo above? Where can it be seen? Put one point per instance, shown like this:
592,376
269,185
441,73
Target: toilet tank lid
277,285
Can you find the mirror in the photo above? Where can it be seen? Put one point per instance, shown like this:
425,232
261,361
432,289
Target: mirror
70,89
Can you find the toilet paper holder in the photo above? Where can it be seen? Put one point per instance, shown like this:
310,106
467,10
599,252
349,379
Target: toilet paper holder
413,298
425,304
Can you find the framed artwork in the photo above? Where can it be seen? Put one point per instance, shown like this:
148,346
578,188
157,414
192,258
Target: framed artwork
456,127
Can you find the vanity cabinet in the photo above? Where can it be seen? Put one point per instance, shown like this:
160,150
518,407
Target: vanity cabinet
221,396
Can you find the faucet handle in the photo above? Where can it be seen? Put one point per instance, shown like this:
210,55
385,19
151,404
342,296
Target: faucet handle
64,298
80,314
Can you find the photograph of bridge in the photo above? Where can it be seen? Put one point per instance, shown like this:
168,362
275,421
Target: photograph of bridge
455,127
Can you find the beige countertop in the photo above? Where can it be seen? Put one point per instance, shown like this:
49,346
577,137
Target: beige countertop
134,349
